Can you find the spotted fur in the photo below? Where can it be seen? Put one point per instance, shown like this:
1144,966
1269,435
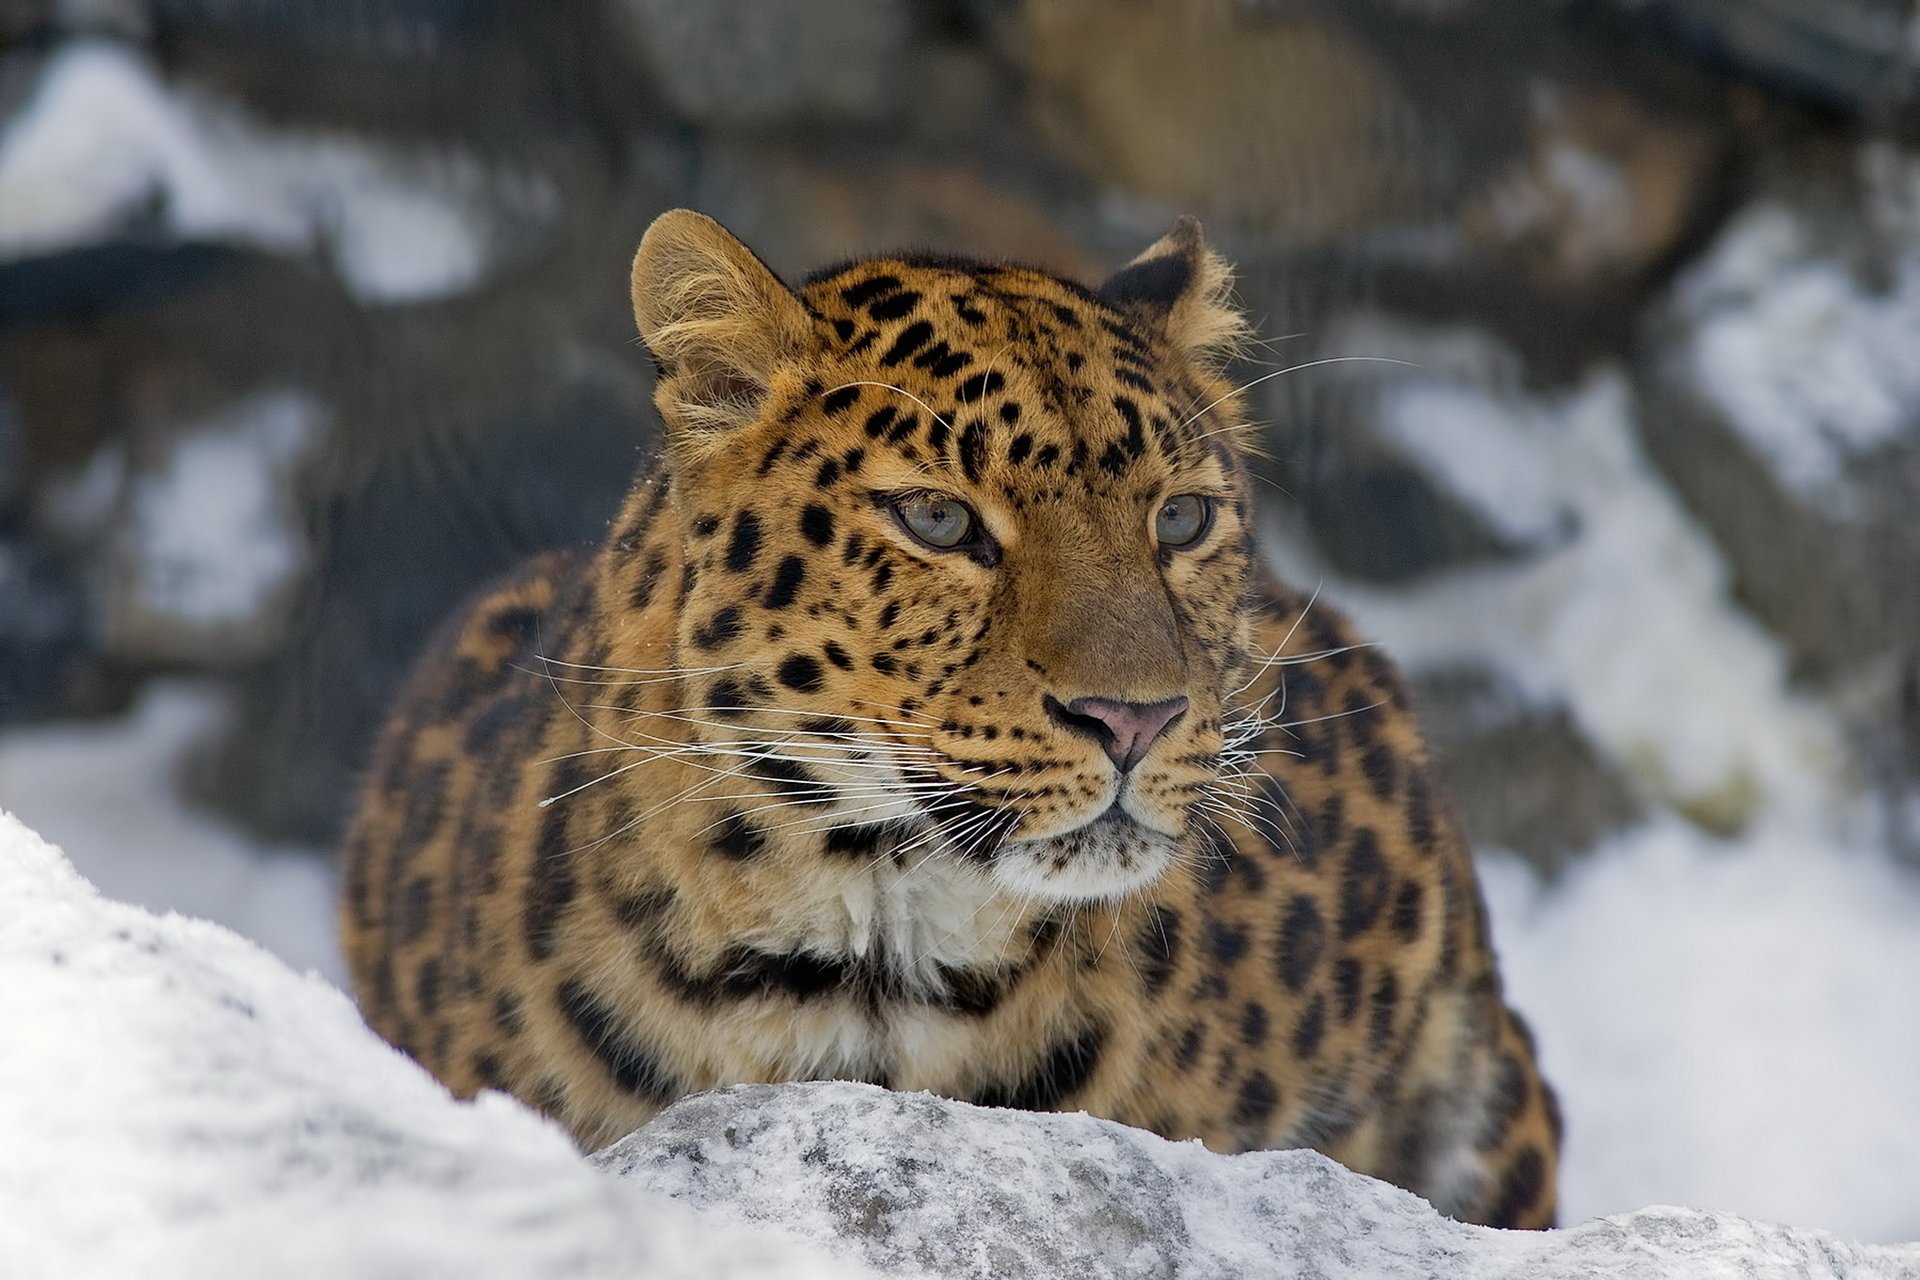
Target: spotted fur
763,788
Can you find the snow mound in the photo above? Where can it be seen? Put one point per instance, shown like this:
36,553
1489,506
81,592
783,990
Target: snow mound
175,1102
954,1190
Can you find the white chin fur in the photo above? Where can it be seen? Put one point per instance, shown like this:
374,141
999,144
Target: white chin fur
1101,861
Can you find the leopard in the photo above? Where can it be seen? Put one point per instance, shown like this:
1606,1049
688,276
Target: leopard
930,716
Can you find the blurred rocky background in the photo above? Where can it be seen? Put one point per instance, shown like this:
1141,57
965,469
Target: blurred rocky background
313,316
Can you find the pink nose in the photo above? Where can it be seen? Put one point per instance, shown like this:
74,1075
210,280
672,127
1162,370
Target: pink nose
1124,729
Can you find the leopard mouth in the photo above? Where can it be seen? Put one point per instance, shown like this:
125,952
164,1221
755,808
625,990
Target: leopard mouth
1105,858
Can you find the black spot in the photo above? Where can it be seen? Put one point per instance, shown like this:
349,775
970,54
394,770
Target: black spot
786,582
726,697
879,420
507,1016
642,910
1254,1105
722,628
862,844
839,400
843,329
973,450
800,673
828,475
787,776
1226,943
1187,1051
426,795
1520,1188
816,522
736,838
426,985
649,576
911,339
1157,948
978,386
1048,455
1378,766
550,885
837,656
1010,412
858,295
491,1072
1331,825
1419,810
1386,1002
1061,1074
704,526
1505,1105
1406,911
1346,986
895,307
1364,884
746,542
1253,1025
1303,935
889,614
416,909
1022,446
633,1065
1311,1028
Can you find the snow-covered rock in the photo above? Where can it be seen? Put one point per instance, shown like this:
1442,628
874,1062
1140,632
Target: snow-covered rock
917,1182
175,1102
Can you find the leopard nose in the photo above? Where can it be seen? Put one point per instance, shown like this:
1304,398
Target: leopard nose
1123,729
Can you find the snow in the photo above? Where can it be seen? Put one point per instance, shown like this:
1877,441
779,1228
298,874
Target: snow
210,537
181,1104
110,793
1624,617
1731,1025
1813,369
103,140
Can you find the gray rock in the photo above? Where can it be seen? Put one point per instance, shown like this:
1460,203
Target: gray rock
914,1184
760,62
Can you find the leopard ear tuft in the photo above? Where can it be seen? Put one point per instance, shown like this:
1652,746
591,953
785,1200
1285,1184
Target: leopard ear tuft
720,323
1184,290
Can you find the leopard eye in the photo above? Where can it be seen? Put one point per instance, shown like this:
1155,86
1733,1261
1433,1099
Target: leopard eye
942,523
1183,520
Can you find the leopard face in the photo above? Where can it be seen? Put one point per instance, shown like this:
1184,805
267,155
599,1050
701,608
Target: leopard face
966,546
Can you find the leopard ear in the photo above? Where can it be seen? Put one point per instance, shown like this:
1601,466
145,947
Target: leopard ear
717,319
1184,290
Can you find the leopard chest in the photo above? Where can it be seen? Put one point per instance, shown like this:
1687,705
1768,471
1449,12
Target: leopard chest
907,976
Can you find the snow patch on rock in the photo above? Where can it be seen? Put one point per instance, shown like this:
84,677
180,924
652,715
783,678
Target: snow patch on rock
104,143
1622,614
1813,369
210,539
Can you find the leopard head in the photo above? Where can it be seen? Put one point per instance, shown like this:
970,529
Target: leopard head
967,545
